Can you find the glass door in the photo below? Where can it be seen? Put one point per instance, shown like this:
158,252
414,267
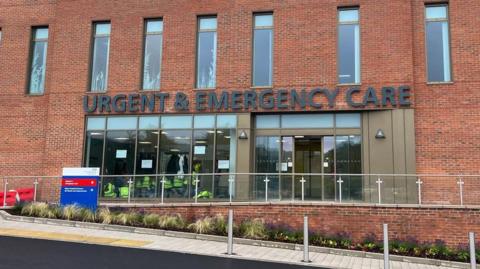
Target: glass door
308,166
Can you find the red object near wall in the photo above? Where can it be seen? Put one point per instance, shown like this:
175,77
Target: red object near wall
24,195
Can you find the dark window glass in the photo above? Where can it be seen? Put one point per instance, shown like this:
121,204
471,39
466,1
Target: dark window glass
438,47
267,150
153,54
94,149
348,161
329,167
348,47
207,53
174,160
203,153
262,50
119,153
146,186
101,47
38,60
225,156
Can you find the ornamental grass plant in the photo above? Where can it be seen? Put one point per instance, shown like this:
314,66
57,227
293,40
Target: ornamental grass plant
151,220
172,222
128,218
104,215
253,229
72,212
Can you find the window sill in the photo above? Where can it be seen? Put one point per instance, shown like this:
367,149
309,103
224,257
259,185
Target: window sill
205,89
440,83
34,94
348,84
261,87
90,92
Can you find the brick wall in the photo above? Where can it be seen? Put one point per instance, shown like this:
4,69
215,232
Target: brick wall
425,224
41,134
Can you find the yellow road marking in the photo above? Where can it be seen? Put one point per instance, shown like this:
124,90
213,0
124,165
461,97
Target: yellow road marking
73,238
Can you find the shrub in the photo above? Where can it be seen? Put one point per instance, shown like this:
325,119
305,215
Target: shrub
202,226
173,222
151,220
87,215
71,212
284,234
105,216
35,209
253,229
128,218
220,225
17,208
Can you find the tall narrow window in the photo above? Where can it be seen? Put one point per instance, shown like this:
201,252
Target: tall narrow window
438,43
262,50
348,46
38,60
207,52
101,47
152,62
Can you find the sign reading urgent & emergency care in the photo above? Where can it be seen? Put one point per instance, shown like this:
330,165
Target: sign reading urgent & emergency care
80,187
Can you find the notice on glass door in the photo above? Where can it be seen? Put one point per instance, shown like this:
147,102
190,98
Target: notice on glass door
121,153
223,164
199,150
147,164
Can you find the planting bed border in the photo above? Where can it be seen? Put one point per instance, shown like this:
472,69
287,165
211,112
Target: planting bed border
130,229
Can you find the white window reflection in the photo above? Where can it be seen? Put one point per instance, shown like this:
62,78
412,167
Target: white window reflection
101,49
153,55
207,53
38,60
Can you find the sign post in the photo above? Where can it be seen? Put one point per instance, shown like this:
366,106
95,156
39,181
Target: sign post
80,187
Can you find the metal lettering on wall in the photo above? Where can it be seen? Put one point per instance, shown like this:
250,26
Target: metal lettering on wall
249,100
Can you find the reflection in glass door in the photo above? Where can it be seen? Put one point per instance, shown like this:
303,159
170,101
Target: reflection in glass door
308,160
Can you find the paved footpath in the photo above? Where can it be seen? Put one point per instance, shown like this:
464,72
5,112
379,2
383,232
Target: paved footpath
192,246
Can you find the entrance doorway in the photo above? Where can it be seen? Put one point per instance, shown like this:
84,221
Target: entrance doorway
314,156
286,160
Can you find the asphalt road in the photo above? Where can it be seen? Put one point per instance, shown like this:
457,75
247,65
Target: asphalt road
23,253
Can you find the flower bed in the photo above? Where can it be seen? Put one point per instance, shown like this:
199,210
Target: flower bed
249,228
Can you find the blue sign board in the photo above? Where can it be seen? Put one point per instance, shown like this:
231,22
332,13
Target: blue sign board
80,187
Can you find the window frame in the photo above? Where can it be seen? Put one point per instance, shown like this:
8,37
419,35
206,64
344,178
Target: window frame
200,17
31,50
346,8
144,42
271,13
425,22
92,54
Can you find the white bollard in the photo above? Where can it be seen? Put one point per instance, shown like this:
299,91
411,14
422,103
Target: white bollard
230,233
473,261
386,257
306,254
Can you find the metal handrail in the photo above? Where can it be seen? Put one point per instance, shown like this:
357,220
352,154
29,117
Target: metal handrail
265,187
267,174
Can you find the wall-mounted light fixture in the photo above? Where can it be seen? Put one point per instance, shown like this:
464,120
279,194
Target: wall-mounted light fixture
243,135
380,134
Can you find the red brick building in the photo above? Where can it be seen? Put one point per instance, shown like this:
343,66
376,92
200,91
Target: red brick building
280,88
